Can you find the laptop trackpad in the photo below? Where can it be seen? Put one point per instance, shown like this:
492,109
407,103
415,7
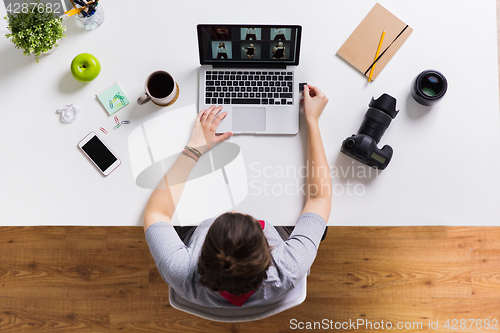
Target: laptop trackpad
249,119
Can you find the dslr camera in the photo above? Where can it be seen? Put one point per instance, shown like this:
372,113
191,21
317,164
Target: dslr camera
363,146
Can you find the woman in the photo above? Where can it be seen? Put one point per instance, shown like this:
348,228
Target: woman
250,51
221,51
280,34
235,260
251,34
279,51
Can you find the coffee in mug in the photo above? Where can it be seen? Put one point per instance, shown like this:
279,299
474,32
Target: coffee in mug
161,89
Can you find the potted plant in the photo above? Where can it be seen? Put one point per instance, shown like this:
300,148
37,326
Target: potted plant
35,30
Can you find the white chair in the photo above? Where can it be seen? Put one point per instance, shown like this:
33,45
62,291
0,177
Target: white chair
295,297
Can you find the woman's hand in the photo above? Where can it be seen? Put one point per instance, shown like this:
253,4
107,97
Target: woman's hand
314,102
203,135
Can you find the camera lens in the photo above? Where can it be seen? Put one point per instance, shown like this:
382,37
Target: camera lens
374,124
428,87
378,117
431,85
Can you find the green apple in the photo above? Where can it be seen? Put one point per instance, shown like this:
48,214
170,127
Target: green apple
85,67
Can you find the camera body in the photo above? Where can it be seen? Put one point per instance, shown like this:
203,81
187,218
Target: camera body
364,148
363,145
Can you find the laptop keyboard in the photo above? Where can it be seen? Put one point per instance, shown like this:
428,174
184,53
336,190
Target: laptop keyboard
249,87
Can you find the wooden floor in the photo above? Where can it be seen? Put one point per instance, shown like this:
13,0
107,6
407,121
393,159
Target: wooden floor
85,279
89,279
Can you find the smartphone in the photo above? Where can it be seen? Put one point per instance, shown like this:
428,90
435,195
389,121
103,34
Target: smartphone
99,154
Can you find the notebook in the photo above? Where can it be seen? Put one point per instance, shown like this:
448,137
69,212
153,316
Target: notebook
360,48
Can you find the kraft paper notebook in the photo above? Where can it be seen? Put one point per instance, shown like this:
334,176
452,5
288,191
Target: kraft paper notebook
360,48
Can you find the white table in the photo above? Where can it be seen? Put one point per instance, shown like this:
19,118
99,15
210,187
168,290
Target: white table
445,165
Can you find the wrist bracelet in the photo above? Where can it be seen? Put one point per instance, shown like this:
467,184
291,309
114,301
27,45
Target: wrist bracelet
190,154
193,150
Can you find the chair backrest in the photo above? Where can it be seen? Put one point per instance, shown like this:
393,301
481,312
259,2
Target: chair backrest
295,297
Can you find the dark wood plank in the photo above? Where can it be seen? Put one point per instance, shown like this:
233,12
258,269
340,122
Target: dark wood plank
73,273
367,265
32,237
85,238
408,238
33,314
125,238
156,286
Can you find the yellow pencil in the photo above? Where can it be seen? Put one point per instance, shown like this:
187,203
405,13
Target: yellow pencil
376,56
77,10
73,11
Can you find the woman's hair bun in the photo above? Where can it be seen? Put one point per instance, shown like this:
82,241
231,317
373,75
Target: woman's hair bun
227,263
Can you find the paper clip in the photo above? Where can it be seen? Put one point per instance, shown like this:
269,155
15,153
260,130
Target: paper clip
116,120
117,126
103,130
125,121
117,101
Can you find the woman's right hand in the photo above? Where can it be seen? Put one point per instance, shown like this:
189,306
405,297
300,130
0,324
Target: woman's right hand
314,102
203,135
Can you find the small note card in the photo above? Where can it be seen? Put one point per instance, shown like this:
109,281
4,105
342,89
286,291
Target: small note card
113,99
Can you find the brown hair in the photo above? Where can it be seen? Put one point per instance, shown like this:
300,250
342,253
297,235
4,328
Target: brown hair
235,255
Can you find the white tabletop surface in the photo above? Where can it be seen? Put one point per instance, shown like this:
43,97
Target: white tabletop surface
445,165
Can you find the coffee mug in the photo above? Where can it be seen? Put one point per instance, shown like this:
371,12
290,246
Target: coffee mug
161,89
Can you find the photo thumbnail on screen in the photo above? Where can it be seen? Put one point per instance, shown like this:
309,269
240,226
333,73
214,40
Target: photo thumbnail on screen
280,50
281,34
220,32
251,33
250,50
222,50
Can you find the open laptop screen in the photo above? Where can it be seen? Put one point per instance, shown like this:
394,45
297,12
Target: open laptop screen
249,45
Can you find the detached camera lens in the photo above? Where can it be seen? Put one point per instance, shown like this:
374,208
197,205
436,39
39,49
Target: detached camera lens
431,85
428,87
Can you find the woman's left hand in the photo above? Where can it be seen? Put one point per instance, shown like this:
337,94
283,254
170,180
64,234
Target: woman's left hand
203,135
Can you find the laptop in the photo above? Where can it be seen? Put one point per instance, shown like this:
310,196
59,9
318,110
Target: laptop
251,71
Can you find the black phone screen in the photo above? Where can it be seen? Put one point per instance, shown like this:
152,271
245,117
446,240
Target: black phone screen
99,153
